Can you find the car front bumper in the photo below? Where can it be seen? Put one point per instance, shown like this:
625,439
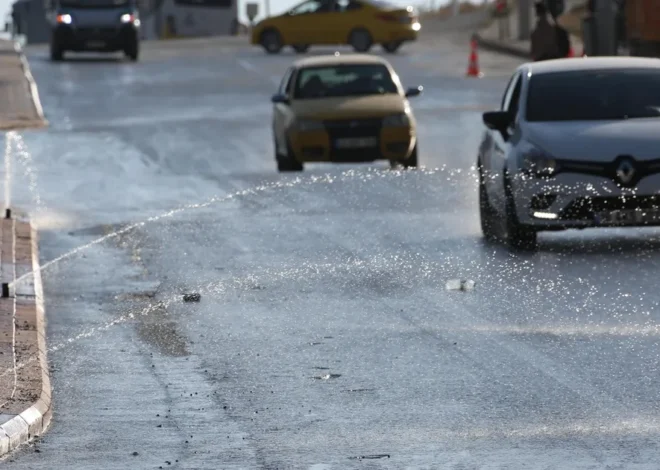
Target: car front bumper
392,143
101,38
583,201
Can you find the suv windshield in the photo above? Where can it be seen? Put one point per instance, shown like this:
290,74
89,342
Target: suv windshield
593,95
344,80
95,3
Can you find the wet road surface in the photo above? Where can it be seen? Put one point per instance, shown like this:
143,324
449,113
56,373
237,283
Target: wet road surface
324,337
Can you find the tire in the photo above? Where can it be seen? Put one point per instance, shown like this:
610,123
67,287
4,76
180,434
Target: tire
56,52
360,40
518,236
300,48
486,211
391,47
132,51
287,163
411,161
271,41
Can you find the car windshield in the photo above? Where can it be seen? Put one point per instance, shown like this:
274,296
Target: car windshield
344,80
594,95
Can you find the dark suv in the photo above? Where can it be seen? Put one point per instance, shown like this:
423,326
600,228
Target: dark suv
94,25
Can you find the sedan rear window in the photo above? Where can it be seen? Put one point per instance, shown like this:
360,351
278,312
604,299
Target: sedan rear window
594,95
344,80
95,3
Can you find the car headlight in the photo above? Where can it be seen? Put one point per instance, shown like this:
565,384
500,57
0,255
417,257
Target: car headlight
305,125
536,163
64,19
396,120
127,18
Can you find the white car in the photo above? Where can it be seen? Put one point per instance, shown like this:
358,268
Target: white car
575,144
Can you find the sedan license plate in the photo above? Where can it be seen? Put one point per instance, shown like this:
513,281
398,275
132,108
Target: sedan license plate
356,142
95,44
629,217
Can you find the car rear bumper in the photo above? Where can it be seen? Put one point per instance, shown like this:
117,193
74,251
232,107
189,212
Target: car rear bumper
102,38
582,201
394,144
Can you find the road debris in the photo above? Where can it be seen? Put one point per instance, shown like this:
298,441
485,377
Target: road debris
371,457
460,284
193,297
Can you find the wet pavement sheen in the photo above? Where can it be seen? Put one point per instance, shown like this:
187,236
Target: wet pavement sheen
324,336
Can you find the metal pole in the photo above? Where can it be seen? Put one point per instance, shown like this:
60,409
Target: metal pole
605,27
524,23
455,8
267,7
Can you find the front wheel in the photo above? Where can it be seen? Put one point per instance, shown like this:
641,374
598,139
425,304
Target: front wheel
392,47
56,52
271,41
360,40
287,163
486,211
411,161
518,236
132,51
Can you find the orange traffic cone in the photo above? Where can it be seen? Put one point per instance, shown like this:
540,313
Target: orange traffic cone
571,53
473,66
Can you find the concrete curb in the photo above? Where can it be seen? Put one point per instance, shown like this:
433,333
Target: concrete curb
34,420
497,46
32,84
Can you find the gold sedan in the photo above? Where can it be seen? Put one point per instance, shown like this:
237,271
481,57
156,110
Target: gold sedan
343,108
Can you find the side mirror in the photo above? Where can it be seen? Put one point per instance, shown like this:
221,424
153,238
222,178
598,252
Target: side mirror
279,99
415,91
498,120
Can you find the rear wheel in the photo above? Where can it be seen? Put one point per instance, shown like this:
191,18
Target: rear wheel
287,163
391,47
300,48
56,51
271,41
518,236
360,40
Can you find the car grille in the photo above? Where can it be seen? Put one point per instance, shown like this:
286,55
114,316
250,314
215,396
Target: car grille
96,33
585,208
608,169
347,128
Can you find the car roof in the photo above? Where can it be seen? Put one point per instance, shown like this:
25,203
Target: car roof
591,63
337,59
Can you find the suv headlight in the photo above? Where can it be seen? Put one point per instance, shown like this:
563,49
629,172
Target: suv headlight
536,163
64,18
396,120
305,125
128,18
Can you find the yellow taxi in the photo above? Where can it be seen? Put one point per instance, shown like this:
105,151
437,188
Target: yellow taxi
343,108
359,23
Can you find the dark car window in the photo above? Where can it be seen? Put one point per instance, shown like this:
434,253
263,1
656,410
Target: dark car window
344,80
95,3
589,95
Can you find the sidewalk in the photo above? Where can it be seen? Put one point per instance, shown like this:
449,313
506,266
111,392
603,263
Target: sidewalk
489,38
25,403
19,100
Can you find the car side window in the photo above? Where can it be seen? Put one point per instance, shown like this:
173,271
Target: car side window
312,6
289,85
515,97
506,99
348,5
285,81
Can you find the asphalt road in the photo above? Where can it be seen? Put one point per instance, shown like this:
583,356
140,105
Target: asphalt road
325,336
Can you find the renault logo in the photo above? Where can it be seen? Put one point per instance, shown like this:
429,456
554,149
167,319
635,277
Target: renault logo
625,172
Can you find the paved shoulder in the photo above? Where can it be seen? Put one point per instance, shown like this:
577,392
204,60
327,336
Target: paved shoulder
19,99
